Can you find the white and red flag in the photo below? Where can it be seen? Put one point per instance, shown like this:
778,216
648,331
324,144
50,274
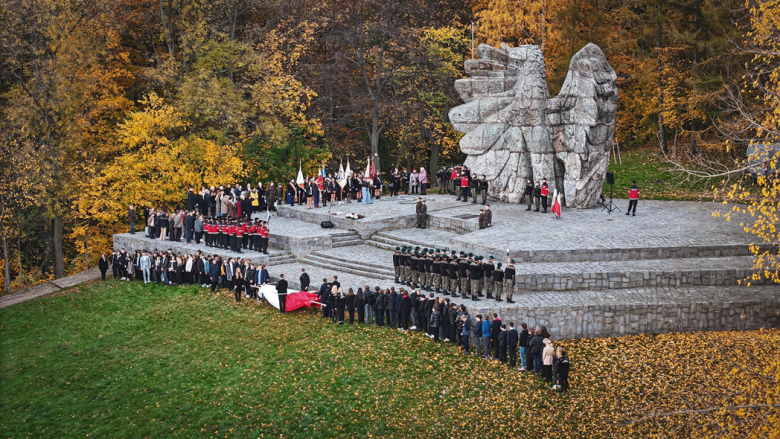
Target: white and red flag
556,207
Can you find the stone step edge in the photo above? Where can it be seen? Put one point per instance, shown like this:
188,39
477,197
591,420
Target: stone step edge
338,270
336,262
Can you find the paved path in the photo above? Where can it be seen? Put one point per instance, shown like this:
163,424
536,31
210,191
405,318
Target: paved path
49,287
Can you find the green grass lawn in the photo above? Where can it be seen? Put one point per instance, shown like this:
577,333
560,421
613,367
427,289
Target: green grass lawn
654,178
126,360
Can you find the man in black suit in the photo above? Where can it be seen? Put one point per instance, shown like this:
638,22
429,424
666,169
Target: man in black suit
495,329
304,280
322,296
281,290
512,337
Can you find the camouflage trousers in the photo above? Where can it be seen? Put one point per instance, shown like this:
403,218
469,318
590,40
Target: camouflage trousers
397,271
437,281
464,287
453,286
498,289
474,288
489,286
509,286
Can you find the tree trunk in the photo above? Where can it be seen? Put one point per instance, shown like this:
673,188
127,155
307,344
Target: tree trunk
692,150
59,261
86,250
375,136
661,130
6,268
19,257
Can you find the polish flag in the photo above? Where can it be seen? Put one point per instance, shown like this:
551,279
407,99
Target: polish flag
556,207
321,177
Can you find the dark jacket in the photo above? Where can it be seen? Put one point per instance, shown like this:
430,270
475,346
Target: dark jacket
495,328
304,281
214,272
406,304
391,300
502,338
381,301
511,338
103,264
192,200
523,339
322,295
536,345
351,302
281,286
435,319
131,215
478,329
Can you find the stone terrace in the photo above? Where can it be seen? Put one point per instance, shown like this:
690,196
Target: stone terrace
674,267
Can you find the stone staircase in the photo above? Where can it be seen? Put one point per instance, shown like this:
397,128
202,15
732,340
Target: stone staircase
345,238
280,257
386,241
356,261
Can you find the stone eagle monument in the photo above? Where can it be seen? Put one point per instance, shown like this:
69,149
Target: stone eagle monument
515,131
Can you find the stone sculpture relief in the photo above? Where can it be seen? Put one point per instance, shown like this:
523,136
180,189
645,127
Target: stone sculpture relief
515,131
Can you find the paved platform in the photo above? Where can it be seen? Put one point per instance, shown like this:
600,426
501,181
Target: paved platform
674,267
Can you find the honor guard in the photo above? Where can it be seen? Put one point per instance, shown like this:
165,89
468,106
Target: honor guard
488,268
509,281
498,282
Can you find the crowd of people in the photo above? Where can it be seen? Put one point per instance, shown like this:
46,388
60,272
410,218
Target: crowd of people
442,319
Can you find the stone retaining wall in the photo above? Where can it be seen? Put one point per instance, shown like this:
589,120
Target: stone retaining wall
630,279
612,254
566,322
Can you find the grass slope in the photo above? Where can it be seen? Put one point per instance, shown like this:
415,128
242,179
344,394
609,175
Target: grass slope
128,360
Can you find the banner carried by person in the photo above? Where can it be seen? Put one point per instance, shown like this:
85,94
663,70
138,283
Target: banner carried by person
300,181
321,177
367,174
556,207
348,172
341,179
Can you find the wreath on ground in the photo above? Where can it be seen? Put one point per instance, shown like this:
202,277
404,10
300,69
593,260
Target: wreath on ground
355,216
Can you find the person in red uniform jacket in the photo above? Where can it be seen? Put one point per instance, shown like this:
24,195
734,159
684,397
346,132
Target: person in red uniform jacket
633,197
545,191
238,231
464,186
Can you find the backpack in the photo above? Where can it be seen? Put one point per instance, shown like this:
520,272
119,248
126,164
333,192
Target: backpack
486,329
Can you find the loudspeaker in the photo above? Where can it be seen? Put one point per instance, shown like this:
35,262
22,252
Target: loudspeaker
326,224
610,177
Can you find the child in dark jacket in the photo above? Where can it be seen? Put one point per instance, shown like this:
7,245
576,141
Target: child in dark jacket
502,344
563,372
434,323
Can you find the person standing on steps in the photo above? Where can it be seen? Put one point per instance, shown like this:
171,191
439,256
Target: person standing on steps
537,195
528,193
509,280
417,212
304,280
545,191
483,188
633,197
423,215
133,217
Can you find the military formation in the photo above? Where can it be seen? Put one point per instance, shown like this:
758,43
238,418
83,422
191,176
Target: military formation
454,274
234,234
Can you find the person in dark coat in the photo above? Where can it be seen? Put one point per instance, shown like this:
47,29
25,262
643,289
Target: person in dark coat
131,215
453,324
360,304
502,342
351,305
536,346
281,289
562,372
428,312
381,304
391,298
434,323
512,338
192,199
495,329
406,309
341,302
322,297
523,342
304,279
103,265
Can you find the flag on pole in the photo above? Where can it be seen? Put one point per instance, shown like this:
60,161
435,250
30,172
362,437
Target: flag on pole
372,172
556,207
300,180
368,168
348,172
340,178
507,252
321,177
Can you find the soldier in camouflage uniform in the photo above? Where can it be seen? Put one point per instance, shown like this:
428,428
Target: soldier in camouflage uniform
509,281
453,274
488,268
498,282
474,275
396,264
463,274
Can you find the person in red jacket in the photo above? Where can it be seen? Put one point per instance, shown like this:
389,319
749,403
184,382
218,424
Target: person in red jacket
633,198
238,234
545,191
464,185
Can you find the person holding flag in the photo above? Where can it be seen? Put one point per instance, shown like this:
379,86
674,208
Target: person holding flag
556,207
320,186
367,182
341,181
